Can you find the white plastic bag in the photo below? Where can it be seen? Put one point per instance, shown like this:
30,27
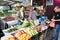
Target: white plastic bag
36,22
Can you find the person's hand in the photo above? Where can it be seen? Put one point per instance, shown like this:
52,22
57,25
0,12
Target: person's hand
53,20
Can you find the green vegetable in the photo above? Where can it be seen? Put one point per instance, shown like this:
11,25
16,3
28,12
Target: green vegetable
12,29
32,25
25,24
33,32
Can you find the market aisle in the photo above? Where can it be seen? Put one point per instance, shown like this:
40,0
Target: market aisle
50,34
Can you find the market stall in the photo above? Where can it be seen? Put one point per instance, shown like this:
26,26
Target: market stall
27,28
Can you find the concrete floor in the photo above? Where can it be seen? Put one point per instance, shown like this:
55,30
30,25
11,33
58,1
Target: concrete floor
59,37
49,35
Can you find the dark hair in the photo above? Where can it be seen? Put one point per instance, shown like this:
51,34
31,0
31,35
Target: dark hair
35,8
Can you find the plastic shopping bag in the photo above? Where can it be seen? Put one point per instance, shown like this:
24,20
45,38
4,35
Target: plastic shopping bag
52,24
36,22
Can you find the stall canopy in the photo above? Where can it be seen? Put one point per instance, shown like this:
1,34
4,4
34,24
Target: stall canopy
4,3
11,2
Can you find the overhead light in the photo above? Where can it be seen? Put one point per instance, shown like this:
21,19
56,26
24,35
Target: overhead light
5,0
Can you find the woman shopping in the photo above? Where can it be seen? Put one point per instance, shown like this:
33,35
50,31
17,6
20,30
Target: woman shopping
57,21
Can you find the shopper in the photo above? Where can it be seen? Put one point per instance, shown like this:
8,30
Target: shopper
57,21
34,14
21,13
30,12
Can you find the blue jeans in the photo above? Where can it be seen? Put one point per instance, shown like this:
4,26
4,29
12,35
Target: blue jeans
57,29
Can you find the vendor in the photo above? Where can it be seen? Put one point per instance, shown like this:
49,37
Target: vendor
34,14
21,13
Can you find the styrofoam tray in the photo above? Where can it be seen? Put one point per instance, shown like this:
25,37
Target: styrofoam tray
12,22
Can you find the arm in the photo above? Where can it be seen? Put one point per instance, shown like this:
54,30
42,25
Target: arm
57,20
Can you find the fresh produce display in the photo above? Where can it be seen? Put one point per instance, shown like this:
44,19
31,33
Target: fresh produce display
25,31
24,37
11,29
8,19
32,24
31,32
40,28
11,38
25,24
5,13
1,14
18,34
